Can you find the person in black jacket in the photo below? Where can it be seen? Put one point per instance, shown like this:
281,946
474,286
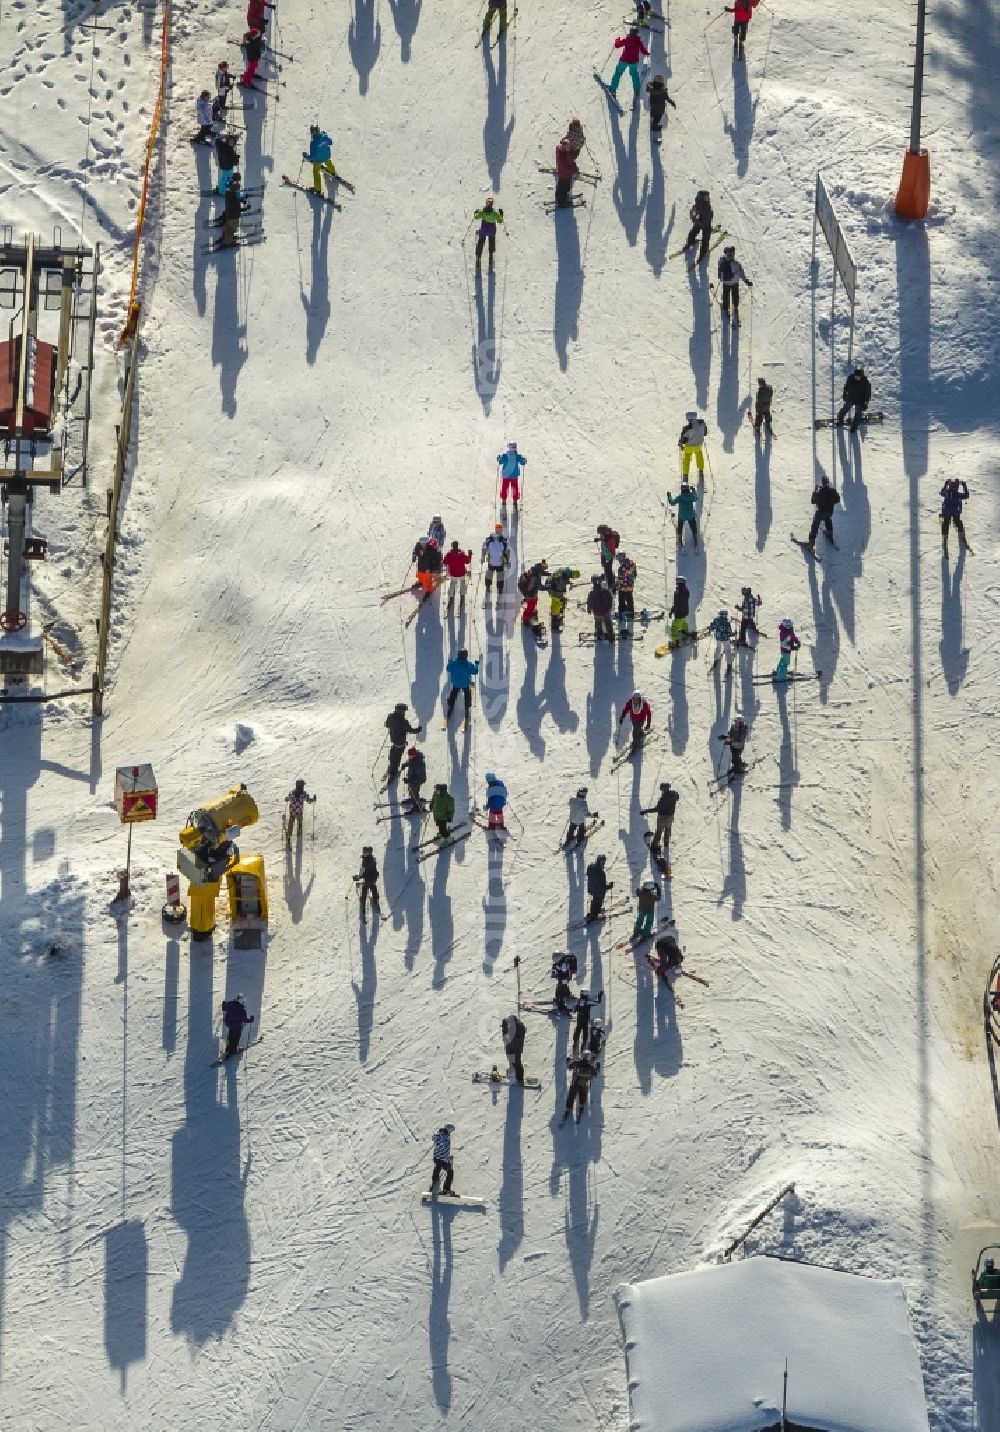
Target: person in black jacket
414,773
513,1032
857,395
664,811
253,49
680,609
228,157
598,886
762,406
236,205
701,224
658,101
824,499
367,881
399,728
581,1030
599,604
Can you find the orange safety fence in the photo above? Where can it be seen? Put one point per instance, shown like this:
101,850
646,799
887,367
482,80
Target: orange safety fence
154,131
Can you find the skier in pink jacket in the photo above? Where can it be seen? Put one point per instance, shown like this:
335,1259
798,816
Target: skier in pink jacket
742,13
631,49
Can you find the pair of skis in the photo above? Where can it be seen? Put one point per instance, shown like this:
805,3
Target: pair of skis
451,1200
786,680
438,843
577,840
809,549
590,638
866,418
498,1080
225,1058
612,913
249,240
308,189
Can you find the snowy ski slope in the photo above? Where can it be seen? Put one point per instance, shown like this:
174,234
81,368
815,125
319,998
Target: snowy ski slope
184,1247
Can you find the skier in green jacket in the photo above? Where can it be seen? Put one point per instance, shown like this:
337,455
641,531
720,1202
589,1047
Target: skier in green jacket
442,809
489,218
687,507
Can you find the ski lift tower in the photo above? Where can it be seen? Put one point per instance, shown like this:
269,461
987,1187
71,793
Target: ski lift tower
48,296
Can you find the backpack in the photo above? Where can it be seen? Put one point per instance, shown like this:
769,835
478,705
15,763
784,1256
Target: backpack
524,583
725,269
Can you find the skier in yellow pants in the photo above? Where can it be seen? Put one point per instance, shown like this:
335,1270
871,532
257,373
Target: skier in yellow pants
320,149
691,443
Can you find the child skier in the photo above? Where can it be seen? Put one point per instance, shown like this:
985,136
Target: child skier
680,609
235,1019
954,493
511,463
631,49
496,799
730,273
789,644
223,80
664,812
579,814
443,1164
762,407
566,171
564,968
666,959
824,499
530,584
639,712
701,224
557,586
647,895
318,155
442,810
656,88
722,629
514,1033
736,739
610,541
227,157
205,117
598,886
461,672
627,574
747,608
686,503
429,564
414,773
488,218
456,564
296,800
435,529
581,1030
367,882
496,555
692,442
253,50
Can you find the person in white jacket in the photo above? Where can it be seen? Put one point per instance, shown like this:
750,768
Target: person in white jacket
496,555
203,113
691,443
579,814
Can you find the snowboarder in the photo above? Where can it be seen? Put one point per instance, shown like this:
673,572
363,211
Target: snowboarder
627,574
692,443
579,814
205,117
235,206
666,959
598,886
399,728
441,1149
530,584
747,608
253,50
790,644
367,882
762,407
664,812
638,710
742,13
857,394
730,273
656,88
227,157
557,586
235,1019
648,893
488,218
414,773
599,605
566,171
496,7
318,155
722,629
610,542
954,493
680,609
686,503
514,1032
736,739
564,968
442,810
631,48
296,801
511,463
583,1069
429,564
456,564
461,672
496,799
701,224
496,555
824,499
581,1030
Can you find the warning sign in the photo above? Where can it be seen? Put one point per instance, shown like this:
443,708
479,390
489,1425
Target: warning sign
135,794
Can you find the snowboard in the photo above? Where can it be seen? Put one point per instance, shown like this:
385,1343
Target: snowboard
875,417
496,1078
451,1200
691,639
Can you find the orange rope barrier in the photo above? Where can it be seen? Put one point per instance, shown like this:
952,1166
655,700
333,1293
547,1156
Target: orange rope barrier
154,130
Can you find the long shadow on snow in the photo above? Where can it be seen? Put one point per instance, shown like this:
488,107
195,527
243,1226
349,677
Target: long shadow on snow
657,237
364,40
529,715
365,992
229,350
657,1047
601,712
485,350
316,304
569,284
574,1146
497,131
207,209
428,664
677,721
954,655
438,1321
825,649
295,895
494,677
730,409
207,1187
442,919
734,885
511,1201
986,1369
625,189
700,342
762,488
406,18
494,904
403,881
744,113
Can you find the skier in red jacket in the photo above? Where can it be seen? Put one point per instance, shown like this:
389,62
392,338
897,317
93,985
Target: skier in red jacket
566,171
638,708
456,564
631,49
742,13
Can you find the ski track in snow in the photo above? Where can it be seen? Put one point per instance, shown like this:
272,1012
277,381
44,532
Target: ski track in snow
170,1230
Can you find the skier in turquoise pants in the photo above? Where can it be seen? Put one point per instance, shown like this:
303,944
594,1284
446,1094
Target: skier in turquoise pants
789,645
631,49
687,506
647,895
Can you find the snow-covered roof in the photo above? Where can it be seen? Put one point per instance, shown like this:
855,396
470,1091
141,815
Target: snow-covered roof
706,1350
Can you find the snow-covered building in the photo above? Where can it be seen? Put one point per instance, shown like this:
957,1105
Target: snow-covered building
706,1351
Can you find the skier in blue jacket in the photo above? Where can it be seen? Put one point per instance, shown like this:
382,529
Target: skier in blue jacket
320,150
496,799
511,462
461,672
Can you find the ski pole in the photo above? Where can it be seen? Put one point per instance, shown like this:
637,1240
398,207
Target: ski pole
517,973
379,753
712,22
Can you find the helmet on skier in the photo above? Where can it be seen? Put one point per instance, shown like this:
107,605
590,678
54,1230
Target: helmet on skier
300,785
490,777
686,487
497,527
400,706
858,368
413,751
649,885
597,579
723,611
664,785
636,698
601,859
366,850
454,545
440,786
691,416
254,34
489,202
597,1024
729,250
314,129
436,517
682,581
512,447
785,622
223,65
581,793
622,557
463,654
746,591
433,543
